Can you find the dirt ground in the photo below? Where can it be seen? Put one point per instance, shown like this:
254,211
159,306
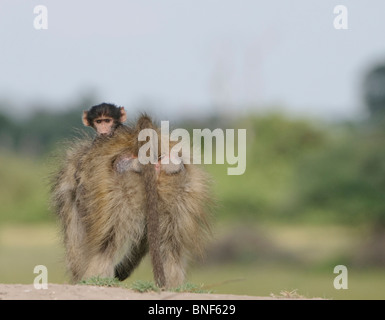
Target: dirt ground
86,292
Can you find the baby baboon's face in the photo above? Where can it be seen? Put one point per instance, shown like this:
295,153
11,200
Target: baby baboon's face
104,125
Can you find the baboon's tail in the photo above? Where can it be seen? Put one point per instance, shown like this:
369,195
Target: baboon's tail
151,206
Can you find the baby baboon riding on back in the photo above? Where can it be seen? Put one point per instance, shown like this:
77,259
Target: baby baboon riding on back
114,209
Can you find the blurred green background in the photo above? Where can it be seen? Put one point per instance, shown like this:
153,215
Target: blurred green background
312,197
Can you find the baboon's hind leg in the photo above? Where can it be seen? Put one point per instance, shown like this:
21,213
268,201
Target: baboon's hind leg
174,267
131,260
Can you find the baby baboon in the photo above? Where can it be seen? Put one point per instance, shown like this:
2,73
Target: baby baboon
104,118
102,195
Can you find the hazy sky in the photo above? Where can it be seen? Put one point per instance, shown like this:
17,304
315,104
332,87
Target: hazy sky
191,56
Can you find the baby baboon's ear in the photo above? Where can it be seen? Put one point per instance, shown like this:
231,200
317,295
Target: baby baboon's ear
84,119
123,115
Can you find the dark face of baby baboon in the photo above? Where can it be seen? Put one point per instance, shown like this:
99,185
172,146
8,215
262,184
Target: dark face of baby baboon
104,118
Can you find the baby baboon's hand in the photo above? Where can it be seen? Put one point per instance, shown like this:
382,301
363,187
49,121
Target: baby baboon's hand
126,163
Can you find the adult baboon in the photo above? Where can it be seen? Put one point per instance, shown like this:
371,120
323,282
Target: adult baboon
106,200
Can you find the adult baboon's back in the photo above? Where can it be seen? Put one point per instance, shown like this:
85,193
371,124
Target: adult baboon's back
100,197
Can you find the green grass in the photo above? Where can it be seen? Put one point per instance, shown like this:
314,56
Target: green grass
144,286
141,285
102,282
24,190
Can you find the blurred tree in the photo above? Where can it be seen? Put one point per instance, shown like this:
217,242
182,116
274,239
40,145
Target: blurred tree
44,129
374,91
8,132
39,133
274,145
5,122
345,180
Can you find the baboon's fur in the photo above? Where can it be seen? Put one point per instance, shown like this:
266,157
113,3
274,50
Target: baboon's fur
103,211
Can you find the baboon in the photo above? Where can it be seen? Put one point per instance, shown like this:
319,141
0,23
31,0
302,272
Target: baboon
104,118
102,195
